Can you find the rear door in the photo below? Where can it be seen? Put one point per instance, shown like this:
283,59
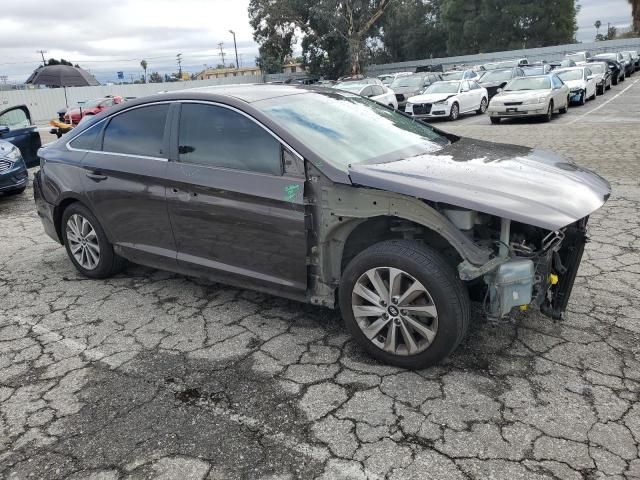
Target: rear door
236,201
125,183
16,128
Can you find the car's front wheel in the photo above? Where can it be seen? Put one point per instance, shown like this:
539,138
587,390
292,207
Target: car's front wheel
455,112
404,304
483,106
87,244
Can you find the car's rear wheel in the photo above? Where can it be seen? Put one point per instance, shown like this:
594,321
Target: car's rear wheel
87,244
495,120
483,107
455,112
404,304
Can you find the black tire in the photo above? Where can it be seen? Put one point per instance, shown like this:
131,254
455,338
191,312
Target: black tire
549,115
495,120
108,263
615,81
600,90
454,114
566,108
483,106
447,291
583,98
595,94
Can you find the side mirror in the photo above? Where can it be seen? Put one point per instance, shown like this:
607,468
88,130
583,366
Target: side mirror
4,130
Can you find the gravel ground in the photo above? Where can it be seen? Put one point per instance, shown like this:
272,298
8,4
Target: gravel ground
155,375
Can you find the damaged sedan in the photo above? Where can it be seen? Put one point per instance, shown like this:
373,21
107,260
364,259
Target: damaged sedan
325,197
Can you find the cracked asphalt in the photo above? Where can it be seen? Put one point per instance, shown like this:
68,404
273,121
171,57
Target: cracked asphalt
155,375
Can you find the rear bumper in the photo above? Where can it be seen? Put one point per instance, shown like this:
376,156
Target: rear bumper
45,210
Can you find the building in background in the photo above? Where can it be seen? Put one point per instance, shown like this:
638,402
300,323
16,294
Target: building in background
227,72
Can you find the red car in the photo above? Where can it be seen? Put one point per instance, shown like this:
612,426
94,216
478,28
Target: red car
90,107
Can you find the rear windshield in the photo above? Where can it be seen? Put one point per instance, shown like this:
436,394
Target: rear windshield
346,129
577,57
540,83
452,75
531,71
597,67
351,86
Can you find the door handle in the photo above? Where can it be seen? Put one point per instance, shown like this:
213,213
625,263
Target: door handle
95,175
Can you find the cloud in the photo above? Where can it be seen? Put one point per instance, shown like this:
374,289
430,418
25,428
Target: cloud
616,12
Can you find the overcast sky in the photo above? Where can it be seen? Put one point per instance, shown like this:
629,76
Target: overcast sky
114,35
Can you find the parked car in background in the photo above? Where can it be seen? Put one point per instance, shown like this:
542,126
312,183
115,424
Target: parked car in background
530,97
615,68
388,78
409,85
629,64
327,198
520,62
581,83
90,107
493,80
602,76
460,75
13,171
616,57
449,99
17,128
378,92
579,57
565,63
536,69
635,57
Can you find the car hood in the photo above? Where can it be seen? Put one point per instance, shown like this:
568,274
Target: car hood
431,97
574,83
520,95
531,186
406,91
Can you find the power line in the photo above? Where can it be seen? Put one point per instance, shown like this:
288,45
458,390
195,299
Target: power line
42,52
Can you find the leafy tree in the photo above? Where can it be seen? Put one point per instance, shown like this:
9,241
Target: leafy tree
598,24
62,61
612,33
635,14
155,77
144,65
274,24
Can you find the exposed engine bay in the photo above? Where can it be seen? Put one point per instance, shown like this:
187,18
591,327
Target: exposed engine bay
531,267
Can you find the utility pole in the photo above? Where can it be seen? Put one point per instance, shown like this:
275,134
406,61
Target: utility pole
235,45
42,52
222,54
179,57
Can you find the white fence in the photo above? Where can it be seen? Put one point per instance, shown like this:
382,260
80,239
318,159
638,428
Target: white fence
532,54
45,102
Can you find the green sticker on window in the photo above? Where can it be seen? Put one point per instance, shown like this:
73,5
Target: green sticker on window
290,192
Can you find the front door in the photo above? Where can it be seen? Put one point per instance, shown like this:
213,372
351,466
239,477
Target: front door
236,212
125,184
16,128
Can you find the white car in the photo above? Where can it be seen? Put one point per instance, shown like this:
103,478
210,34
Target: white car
376,91
581,83
579,57
522,97
388,78
460,75
449,99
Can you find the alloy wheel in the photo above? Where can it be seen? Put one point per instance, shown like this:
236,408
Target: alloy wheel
394,311
454,112
83,241
483,106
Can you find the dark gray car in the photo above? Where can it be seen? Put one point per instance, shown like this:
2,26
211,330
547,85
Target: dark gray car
408,86
324,197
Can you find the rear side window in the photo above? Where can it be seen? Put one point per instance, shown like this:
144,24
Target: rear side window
220,137
137,132
88,139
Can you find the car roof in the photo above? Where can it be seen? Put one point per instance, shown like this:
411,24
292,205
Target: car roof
248,93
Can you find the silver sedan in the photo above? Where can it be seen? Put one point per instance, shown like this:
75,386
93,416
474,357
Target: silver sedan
538,96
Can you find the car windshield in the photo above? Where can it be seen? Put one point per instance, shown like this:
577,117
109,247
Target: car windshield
540,83
571,75
443,87
452,75
350,86
347,129
403,82
496,76
576,57
597,67
531,71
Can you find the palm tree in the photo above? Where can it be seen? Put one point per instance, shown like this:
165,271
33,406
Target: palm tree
598,24
143,64
635,14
